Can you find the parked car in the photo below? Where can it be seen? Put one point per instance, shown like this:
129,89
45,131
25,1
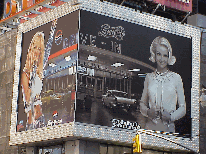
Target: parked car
115,98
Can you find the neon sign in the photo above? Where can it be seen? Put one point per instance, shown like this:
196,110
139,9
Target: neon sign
25,8
11,6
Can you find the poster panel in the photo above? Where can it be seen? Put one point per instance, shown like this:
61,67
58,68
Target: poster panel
47,74
120,83
202,63
202,91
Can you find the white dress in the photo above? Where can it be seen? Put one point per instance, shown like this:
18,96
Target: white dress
162,92
36,88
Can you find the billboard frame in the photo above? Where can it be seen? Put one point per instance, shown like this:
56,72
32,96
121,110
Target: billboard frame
40,134
76,129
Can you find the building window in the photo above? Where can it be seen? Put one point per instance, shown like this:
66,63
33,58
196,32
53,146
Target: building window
59,149
114,149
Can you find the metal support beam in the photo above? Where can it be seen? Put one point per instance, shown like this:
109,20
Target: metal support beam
204,31
122,2
153,12
5,28
185,17
36,12
49,6
25,18
65,0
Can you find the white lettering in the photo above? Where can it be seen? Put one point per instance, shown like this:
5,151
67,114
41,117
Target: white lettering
116,123
54,122
184,1
116,32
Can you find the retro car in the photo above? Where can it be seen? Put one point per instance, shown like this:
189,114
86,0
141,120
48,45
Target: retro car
115,98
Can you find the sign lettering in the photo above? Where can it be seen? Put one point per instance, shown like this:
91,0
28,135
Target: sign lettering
116,32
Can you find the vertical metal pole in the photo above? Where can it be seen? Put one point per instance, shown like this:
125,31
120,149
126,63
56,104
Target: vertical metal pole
124,83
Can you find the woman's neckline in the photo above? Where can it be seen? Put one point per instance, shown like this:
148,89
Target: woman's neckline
161,73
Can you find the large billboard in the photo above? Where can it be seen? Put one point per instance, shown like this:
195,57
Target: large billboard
48,74
202,91
131,76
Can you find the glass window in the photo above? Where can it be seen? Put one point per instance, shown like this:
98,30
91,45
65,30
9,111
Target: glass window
99,84
125,150
52,150
114,149
84,79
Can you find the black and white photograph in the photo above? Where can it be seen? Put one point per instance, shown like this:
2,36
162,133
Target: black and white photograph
131,76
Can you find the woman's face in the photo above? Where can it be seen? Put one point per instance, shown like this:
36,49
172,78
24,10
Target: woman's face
36,50
161,56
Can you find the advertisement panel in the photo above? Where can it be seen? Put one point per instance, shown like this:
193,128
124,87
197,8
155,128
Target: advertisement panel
183,5
131,76
202,91
48,74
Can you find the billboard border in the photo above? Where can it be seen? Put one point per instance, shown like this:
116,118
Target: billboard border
128,15
166,25
46,133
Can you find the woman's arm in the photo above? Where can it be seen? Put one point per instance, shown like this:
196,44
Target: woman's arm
40,65
144,99
49,43
181,111
25,86
26,77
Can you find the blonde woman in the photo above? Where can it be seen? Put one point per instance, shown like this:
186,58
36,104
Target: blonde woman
32,77
163,90
31,80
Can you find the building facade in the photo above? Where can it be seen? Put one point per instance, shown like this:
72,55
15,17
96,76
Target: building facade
86,64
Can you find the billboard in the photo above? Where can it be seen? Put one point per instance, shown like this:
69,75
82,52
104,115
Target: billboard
183,5
48,74
131,76
202,89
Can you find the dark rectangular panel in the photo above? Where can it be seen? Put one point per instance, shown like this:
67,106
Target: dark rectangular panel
114,59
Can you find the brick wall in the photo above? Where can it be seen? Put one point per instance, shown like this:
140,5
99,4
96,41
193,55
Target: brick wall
7,58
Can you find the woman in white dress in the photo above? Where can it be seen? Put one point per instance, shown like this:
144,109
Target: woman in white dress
163,100
31,81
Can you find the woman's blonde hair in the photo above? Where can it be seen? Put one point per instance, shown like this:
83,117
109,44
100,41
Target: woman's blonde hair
161,41
38,35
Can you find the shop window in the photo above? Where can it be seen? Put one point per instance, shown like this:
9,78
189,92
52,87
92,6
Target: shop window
99,84
112,84
84,79
52,150
107,83
118,86
122,85
126,85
